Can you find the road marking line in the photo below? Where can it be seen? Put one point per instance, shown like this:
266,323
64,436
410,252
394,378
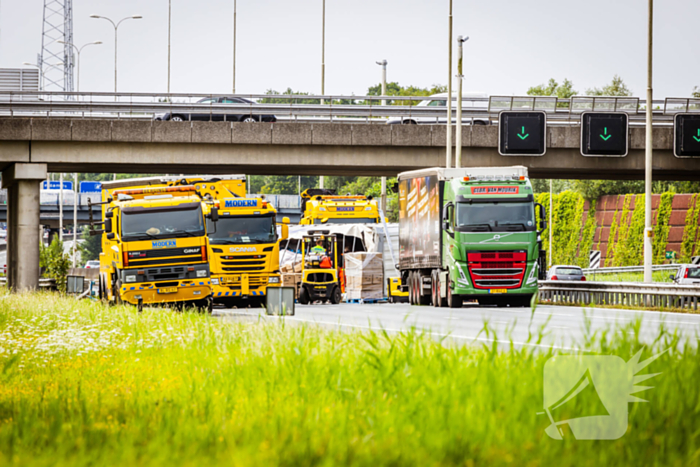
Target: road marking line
481,339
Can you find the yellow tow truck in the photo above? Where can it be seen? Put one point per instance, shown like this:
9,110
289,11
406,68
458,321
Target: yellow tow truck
243,244
323,206
154,245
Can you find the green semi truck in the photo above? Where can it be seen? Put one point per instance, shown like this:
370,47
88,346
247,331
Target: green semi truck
470,234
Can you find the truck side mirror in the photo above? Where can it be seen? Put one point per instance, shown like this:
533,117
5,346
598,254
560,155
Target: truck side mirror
672,277
109,214
285,232
108,225
445,225
543,222
214,214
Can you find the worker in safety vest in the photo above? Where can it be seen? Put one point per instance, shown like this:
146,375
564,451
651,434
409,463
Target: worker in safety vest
318,249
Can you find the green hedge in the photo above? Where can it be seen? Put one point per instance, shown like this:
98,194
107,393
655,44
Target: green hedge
662,227
690,232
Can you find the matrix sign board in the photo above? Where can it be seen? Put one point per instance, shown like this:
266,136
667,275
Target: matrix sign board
604,134
686,135
522,133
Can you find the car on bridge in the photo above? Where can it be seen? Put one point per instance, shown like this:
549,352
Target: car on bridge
440,100
234,116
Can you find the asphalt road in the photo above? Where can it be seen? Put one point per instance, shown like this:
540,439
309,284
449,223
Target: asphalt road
563,327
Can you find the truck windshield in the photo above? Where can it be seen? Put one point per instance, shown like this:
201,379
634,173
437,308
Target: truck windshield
494,217
141,223
243,229
346,220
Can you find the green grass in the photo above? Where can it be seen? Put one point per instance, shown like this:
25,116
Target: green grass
85,384
657,276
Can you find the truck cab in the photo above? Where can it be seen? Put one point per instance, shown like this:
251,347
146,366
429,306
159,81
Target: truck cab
323,206
154,245
470,234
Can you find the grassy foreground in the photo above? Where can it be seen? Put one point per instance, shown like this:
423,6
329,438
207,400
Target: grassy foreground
84,384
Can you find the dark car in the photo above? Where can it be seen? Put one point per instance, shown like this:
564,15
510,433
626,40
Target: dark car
565,273
176,116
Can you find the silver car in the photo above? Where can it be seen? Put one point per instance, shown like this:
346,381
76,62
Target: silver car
565,273
688,274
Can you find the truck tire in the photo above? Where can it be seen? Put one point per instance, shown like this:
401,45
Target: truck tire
453,301
438,301
411,289
304,296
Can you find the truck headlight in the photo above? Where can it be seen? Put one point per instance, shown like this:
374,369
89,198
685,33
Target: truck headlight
215,281
273,280
130,278
202,273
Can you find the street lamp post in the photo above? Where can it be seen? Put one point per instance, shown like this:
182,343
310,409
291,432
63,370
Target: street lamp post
648,155
116,26
80,49
458,142
383,64
169,25
448,158
234,47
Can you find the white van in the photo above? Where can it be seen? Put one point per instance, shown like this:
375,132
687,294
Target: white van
470,101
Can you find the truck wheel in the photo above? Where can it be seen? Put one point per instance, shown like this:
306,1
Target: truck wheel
139,305
438,300
453,301
411,290
336,296
304,296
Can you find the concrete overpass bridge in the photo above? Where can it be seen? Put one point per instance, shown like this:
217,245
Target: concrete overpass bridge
68,141
138,146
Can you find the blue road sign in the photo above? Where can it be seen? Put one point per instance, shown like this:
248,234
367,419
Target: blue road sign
90,187
56,185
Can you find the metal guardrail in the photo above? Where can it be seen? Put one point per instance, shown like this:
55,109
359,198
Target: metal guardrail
43,283
348,109
621,269
620,294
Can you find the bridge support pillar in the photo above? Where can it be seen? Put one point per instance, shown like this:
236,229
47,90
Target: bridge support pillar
23,182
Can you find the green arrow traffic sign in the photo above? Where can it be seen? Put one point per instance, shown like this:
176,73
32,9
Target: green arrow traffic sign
522,134
607,136
697,138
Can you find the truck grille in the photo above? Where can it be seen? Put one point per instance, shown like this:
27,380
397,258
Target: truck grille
243,263
497,269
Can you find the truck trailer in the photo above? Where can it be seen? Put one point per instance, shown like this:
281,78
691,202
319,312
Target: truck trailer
470,234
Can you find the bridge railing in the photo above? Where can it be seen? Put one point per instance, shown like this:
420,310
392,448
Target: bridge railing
632,294
52,197
334,108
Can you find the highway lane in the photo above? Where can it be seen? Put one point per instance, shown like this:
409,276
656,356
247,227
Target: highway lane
563,327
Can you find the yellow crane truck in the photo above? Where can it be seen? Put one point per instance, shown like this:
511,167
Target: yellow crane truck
323,206
243,244
154,244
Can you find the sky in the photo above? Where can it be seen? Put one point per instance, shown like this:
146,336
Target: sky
513,44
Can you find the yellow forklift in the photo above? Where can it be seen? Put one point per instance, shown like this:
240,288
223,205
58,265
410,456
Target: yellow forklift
320,274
